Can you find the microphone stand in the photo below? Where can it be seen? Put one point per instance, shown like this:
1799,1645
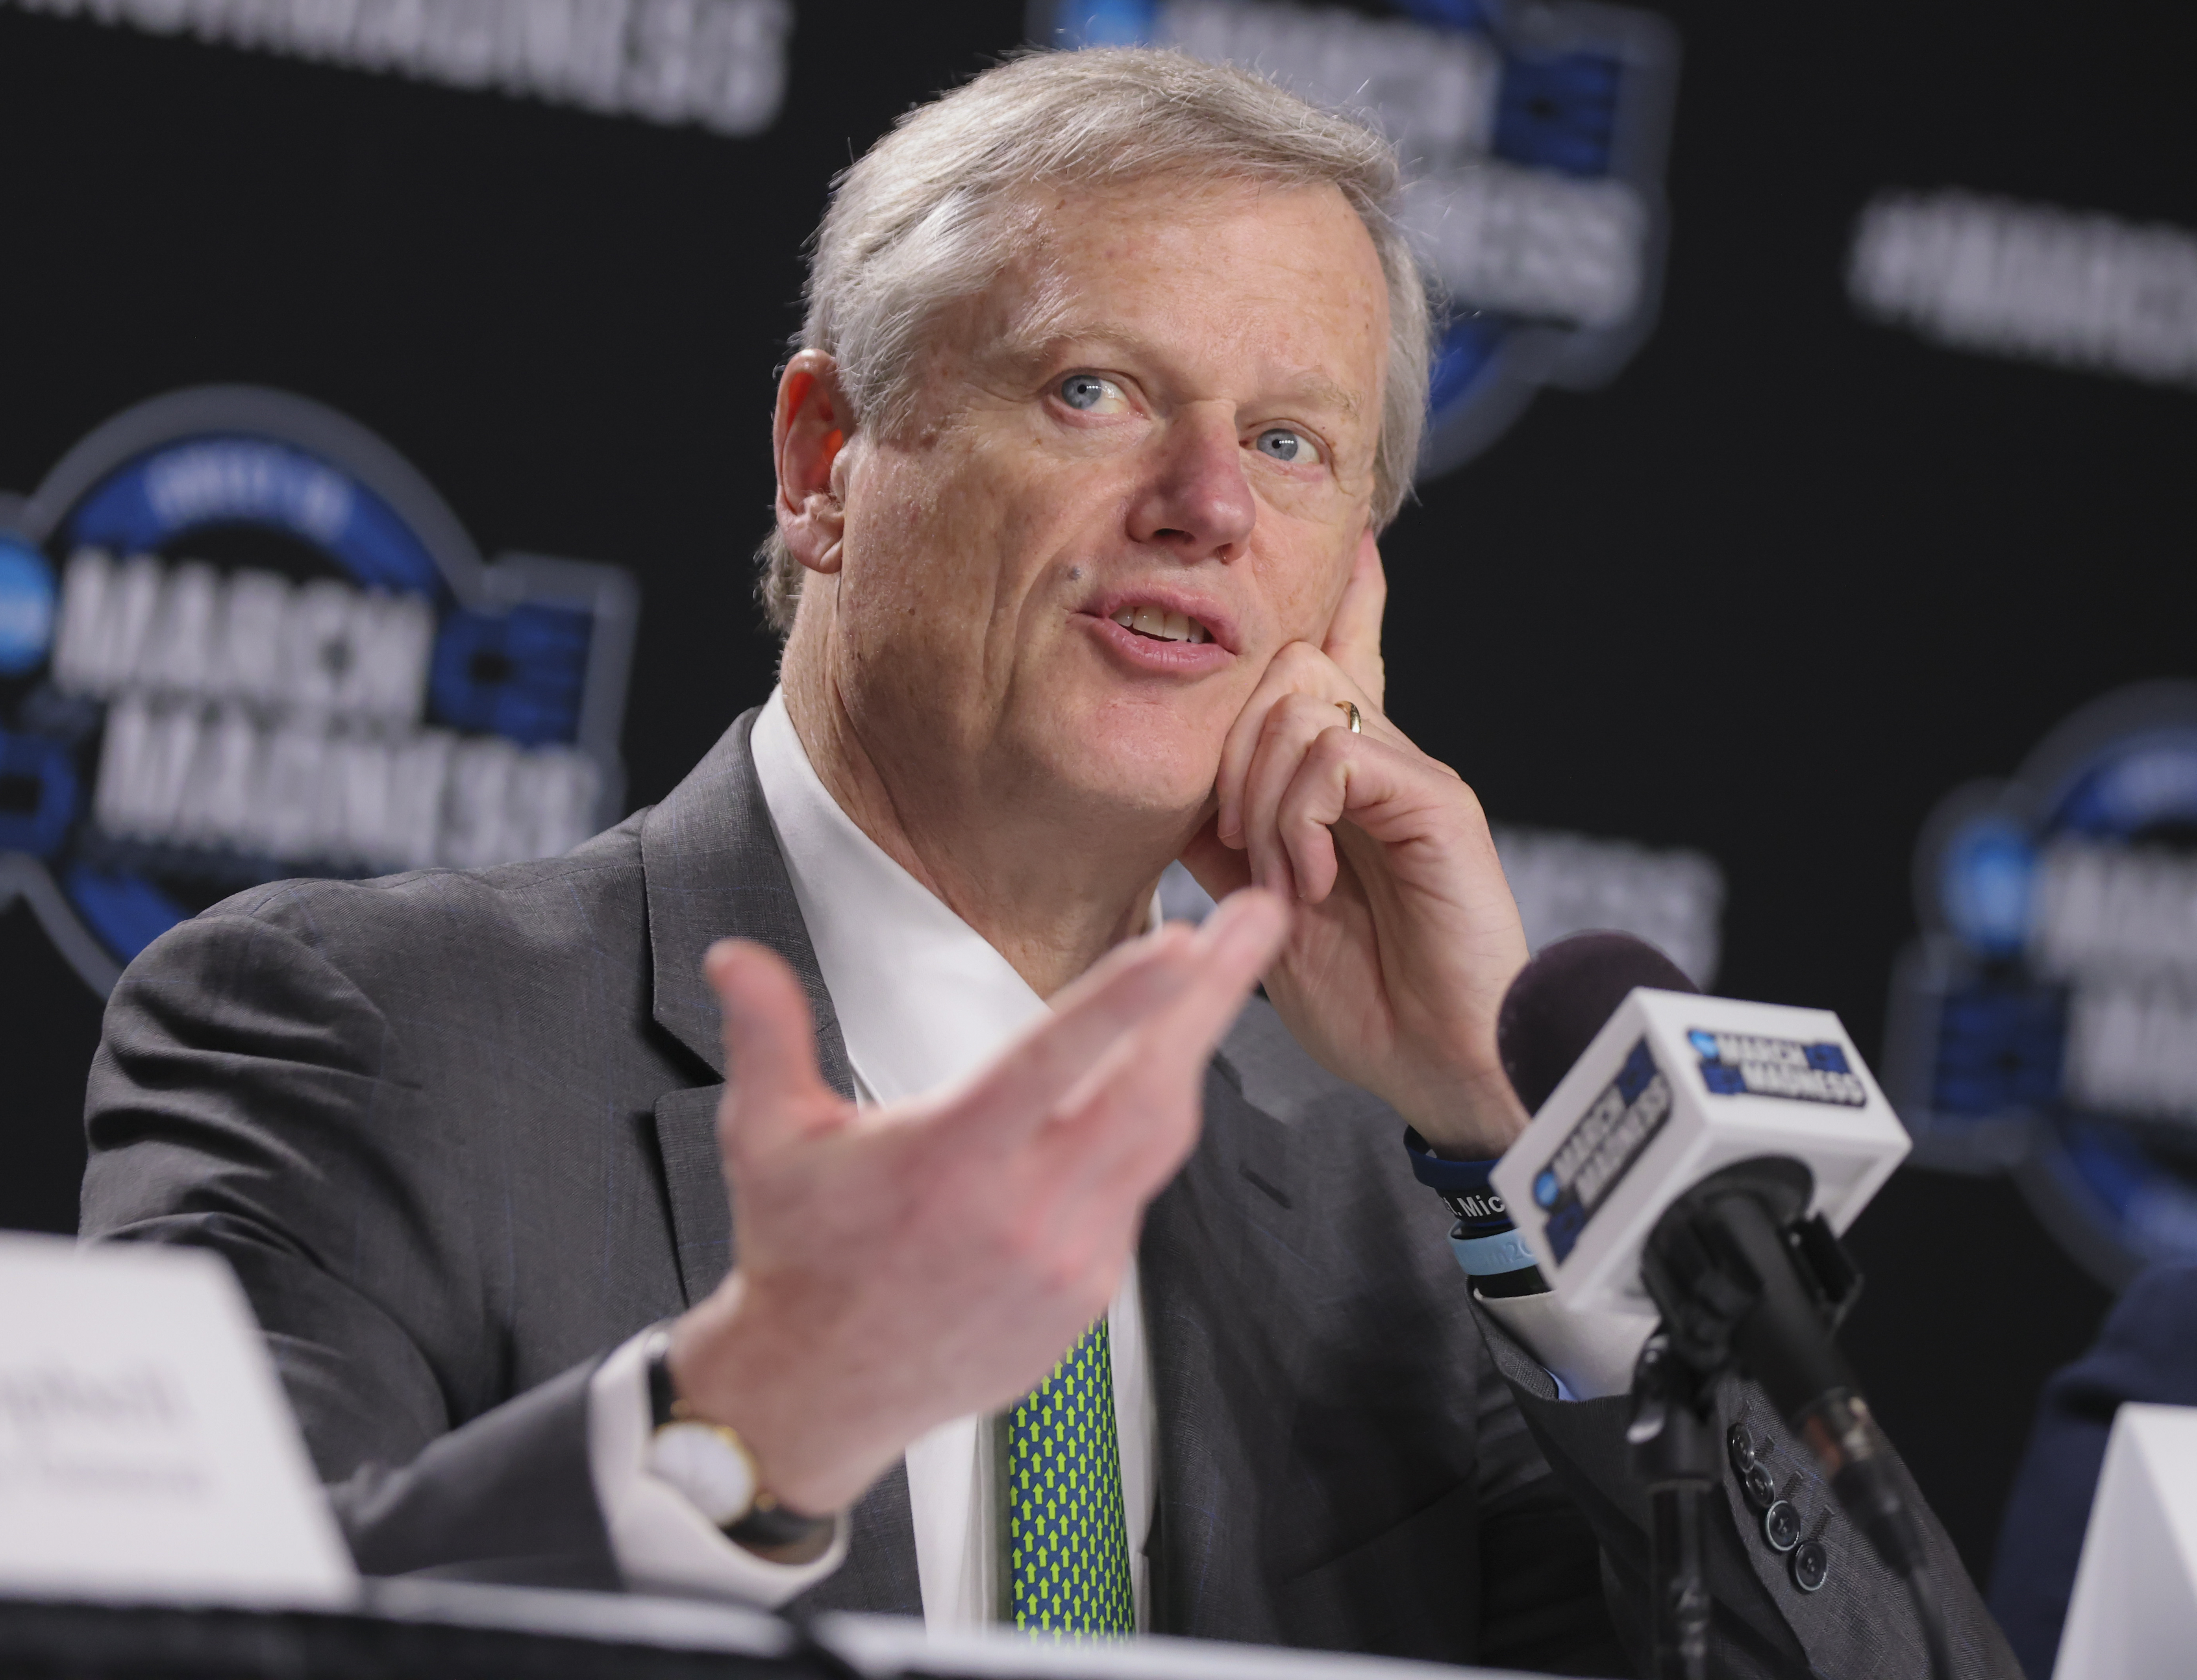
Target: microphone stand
1746,1281
1674,1453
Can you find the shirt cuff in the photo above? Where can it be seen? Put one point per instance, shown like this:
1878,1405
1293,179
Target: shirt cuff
1591,1354
661,1542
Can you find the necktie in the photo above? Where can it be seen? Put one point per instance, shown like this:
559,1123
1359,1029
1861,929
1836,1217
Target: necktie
1068,1548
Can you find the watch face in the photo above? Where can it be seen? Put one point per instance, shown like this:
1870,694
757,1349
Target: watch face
707,1464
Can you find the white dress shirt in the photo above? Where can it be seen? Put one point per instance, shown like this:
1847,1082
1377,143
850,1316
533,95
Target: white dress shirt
922,999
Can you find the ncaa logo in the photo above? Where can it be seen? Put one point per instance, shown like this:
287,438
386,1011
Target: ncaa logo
242,639
1534,140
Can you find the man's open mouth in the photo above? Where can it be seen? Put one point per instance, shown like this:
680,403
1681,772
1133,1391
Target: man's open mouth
1160,624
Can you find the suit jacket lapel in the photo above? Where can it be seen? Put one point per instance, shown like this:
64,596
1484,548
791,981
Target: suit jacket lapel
694,1183
710,859
1220,1245
711,866
712,870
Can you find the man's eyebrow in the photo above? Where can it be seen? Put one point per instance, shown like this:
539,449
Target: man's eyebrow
1029,351
1032,344
1320,391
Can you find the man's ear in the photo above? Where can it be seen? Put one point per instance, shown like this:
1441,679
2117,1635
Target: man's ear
807,436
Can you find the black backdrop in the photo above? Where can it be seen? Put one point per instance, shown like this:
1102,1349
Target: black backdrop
1771,593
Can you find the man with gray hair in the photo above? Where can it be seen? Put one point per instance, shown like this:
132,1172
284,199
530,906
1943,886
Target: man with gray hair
833,1186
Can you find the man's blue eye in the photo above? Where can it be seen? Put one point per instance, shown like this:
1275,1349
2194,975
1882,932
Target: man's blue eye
1283,444
1082,390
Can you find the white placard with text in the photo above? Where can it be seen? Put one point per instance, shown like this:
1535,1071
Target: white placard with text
147,1451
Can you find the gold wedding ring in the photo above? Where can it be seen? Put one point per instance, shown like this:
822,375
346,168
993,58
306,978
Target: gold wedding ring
1349,708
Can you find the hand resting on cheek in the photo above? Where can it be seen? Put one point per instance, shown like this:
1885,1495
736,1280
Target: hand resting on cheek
1406,935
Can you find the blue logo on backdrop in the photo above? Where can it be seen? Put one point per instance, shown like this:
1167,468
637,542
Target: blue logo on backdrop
2044,1023
26,606
1535,139
241,638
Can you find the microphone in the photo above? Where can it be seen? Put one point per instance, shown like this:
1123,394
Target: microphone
1697,1158
1641,1088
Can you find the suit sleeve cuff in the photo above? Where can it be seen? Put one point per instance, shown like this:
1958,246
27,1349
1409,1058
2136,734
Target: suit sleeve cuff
1590,1354
661,1542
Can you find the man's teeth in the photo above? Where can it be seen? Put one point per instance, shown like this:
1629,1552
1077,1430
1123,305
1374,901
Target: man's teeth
1150,620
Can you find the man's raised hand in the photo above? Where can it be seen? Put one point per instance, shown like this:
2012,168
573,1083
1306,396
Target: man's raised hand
1406,935
904,1266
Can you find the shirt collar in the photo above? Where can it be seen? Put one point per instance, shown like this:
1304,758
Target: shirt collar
922,997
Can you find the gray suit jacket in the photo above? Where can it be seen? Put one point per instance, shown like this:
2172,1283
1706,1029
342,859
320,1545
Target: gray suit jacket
453,1131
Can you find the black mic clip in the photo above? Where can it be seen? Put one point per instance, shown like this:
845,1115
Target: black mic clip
1744,1278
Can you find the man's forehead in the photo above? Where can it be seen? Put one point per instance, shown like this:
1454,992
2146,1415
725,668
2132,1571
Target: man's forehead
1150,276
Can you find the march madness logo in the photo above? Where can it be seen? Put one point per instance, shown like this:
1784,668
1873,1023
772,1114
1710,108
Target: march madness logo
2044,1022
1534,140
1599,1150
241,638
1748,1064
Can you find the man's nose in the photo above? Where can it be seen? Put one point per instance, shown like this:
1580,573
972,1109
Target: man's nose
1197,500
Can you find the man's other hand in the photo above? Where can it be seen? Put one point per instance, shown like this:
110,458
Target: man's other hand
1406,935
904,1266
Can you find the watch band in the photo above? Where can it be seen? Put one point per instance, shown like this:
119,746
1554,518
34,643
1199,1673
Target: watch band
766,1525
769,1525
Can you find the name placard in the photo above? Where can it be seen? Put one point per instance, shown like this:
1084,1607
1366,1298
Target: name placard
2134,1612
147,1451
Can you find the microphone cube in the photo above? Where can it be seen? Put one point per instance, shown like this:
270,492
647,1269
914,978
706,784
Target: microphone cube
1674,1087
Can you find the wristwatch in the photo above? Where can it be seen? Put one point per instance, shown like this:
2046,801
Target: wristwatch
712,1467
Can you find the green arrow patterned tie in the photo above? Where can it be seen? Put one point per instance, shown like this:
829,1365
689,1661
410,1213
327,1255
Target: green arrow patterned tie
1068,1549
